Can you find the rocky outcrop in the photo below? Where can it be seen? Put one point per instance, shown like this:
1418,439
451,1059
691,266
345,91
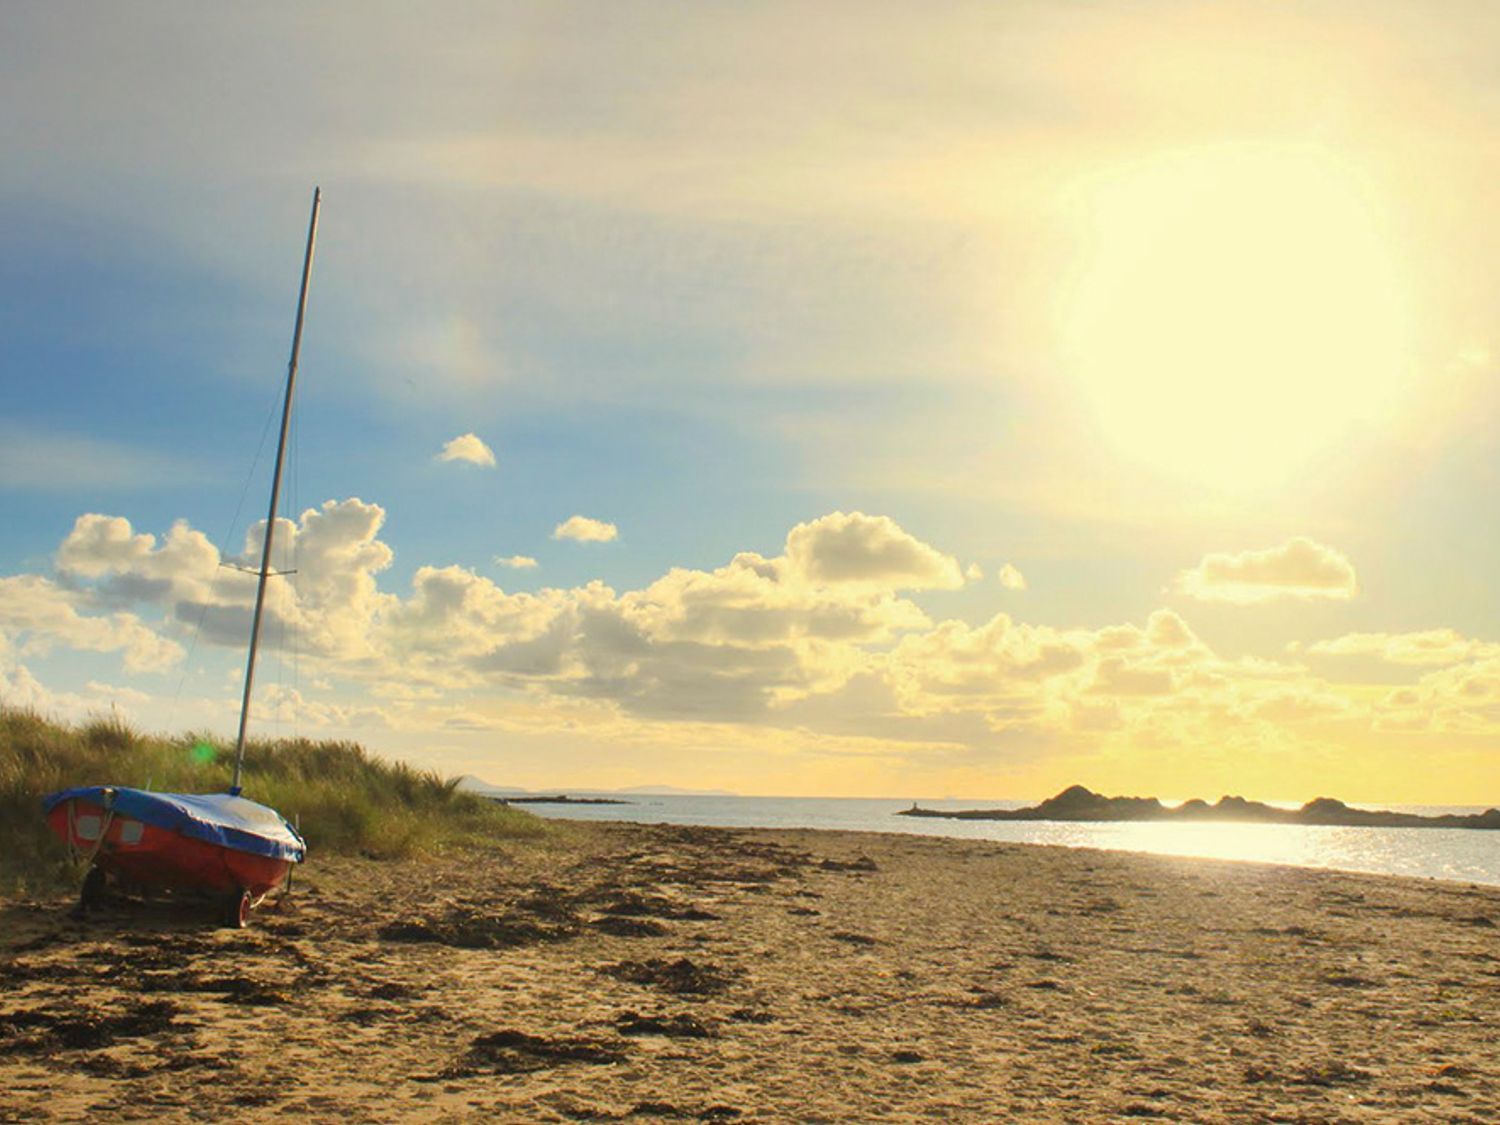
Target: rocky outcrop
1078,803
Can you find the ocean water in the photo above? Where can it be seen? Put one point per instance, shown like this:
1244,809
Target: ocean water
1457,854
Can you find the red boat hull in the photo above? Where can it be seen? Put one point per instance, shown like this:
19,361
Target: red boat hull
145,856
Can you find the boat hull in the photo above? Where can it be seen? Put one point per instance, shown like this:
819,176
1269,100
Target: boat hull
145,856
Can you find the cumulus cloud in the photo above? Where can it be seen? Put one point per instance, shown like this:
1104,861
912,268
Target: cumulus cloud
19,687
1460,700
516,562
37,615
1167,631
331,601
454,616
740,641
1300,704
1299,568
127,567
1432,646
747,640
1011,578
1116,676
868,549
281,704
582,529
822,635
468,447
998,666
1154,684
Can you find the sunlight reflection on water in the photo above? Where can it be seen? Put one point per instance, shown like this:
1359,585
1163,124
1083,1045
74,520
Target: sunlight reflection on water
1440,853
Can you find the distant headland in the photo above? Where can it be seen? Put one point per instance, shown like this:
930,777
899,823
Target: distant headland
1078,803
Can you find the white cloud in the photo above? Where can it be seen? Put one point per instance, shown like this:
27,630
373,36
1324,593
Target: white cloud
1459,700
1116,676
281,704
468,447
743,642
516,562
1301,704
820,638
129,568
37,615
1011,578
454,617
585,530
20,688
1299,568
1433,646
735,642
1155,685
869,549
1168,631
331,601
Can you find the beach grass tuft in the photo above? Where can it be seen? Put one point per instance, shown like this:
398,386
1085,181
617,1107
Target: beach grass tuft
343,798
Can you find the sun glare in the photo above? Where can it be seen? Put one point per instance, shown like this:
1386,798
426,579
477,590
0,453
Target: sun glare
1238,314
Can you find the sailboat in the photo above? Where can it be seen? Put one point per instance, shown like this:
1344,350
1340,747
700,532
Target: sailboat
222,845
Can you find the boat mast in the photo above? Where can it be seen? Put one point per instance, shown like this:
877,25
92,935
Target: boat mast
265,552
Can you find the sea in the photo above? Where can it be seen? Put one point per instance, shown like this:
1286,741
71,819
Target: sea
1456,854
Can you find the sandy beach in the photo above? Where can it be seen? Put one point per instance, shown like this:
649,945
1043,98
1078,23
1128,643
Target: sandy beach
638,973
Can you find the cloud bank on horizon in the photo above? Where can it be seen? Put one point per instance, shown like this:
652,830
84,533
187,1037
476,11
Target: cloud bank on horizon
822,643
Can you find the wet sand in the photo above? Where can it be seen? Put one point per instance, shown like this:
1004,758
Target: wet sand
630,973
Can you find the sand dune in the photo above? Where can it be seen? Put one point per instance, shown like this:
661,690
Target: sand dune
636,973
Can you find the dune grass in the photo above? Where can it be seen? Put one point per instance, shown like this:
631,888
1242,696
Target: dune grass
344,799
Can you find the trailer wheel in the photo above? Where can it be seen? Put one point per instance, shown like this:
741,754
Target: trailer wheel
91,894
237,910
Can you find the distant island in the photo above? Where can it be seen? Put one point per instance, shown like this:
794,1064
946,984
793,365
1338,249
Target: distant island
672,791
556,799
1078,803
471,784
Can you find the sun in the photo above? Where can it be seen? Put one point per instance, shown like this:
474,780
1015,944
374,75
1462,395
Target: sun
1238,314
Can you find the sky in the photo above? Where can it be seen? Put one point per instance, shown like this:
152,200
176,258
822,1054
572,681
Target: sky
836,400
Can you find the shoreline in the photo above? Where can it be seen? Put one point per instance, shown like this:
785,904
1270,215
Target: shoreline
1482,879
629,972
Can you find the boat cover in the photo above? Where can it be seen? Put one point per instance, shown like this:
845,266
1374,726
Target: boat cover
215,818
